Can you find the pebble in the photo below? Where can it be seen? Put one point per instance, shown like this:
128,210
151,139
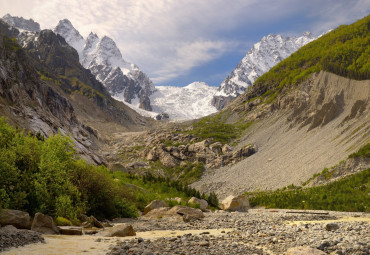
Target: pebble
257,232
12,237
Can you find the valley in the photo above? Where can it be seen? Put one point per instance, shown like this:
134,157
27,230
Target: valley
259,173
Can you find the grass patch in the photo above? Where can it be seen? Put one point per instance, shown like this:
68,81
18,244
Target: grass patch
343,51
348,194
363,152
186,173
216,128
151,187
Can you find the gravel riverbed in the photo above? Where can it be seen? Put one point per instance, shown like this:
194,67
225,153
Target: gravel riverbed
255,232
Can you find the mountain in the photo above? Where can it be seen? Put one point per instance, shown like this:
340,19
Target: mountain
45,90
184,103
21,23
179,103
305,117
260,58
103,58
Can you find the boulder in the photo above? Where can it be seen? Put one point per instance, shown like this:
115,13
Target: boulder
119,230
152,154
154,205
188,214
167,160
182,212
86,224
216,147
304,250
226,149
331,226
244,152
95,222
16,218
44,224
158,213
199,146
178,199
201,202
239,203
70,230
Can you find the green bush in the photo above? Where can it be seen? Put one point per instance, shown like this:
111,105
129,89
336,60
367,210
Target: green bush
348,194
216,128
363,152
45,175
60,221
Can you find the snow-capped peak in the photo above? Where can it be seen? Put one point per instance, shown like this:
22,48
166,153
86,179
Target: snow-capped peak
260,58
71,35
21,23
104,59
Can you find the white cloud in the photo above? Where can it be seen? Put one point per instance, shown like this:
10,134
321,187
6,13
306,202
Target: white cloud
189,55
167,38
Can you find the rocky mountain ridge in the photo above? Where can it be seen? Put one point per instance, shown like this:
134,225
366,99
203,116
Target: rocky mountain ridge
21,23
104,59
260,58
45,90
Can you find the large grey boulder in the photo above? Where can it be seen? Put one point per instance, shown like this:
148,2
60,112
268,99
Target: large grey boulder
71,230
201,202
16,218
120,230
188,214
44,224
155,204
235,203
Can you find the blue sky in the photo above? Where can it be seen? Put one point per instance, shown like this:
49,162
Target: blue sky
177,42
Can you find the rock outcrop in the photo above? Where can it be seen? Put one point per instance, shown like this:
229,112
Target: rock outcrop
187,213
211,154
16,218
44,224
235,203
203,204
119,230
71,230
259,59
154,205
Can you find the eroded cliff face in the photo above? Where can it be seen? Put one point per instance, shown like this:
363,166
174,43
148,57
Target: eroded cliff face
306,129
44,89
29,103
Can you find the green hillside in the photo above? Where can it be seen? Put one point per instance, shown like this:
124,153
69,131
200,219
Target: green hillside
344,51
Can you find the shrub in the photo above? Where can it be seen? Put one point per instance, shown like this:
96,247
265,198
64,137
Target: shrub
363,152
60,221
348,194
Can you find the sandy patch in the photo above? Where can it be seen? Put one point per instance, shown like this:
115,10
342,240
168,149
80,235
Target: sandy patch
60,245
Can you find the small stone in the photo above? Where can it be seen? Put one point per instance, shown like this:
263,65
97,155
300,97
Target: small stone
204,243
331,226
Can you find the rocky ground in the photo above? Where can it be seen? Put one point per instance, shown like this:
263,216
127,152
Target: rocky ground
255,232
12,237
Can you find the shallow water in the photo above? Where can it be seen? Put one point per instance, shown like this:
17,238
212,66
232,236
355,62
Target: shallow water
346,219
62,244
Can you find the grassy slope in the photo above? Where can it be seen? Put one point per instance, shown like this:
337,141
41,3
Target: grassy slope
344,51
347,194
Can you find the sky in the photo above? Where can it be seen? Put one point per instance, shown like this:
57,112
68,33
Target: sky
177,42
